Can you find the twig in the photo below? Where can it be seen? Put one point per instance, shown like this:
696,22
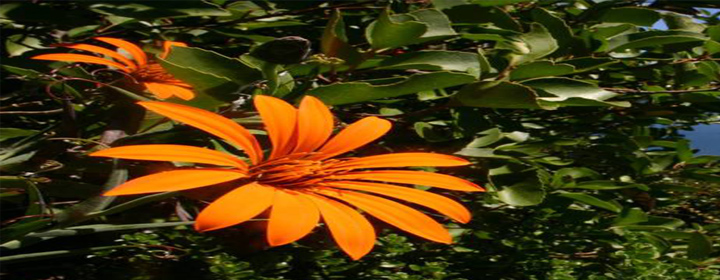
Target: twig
20,105
48,112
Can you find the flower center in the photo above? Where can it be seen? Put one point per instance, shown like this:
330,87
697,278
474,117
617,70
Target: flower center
292,171
154,72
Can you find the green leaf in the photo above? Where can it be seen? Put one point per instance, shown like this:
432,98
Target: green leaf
684,152
425,131
713,32
542,68
82,30
438,24
489,137
213,63
559,29
18,44
473,14
570,92
9,133
652,39
497,95
149,10
279,82
602,185
386,33
485,66
269,24
710,69
677,21
605,31
590,63
36,203
55,254
526,193
210,90
36,237
535,44
283,50
487,3
630,216
334,41
562,176
481,153
434,60
699,247
215,78
353,92
18,230
632,15
594,201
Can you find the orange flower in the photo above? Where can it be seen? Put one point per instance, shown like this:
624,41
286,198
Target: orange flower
149,73
299,181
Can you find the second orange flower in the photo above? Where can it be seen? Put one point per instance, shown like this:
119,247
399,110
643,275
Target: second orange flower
152,76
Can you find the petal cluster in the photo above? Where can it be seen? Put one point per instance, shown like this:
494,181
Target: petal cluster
152,76
302,181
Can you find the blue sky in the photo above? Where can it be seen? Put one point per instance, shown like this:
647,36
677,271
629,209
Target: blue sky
706,138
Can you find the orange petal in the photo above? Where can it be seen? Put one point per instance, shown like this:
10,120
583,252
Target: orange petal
158,90
211,123
167,46
354,136
85,47
237,206
439,203
396,214
280,119
403,160
73,57
176,180
292,217
314,126
164,91
136,52
351,231
173,153
413,177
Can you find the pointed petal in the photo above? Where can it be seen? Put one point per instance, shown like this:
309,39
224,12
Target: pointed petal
237,206
413,177
396,214
164,91
176,180
280,119
403,160
85,47
136,52
72,57
167,46
180,153
292,217
351,231
354,136
211,123
158,90
439,203
314,126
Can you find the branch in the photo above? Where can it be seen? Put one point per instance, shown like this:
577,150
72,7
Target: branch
48,112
